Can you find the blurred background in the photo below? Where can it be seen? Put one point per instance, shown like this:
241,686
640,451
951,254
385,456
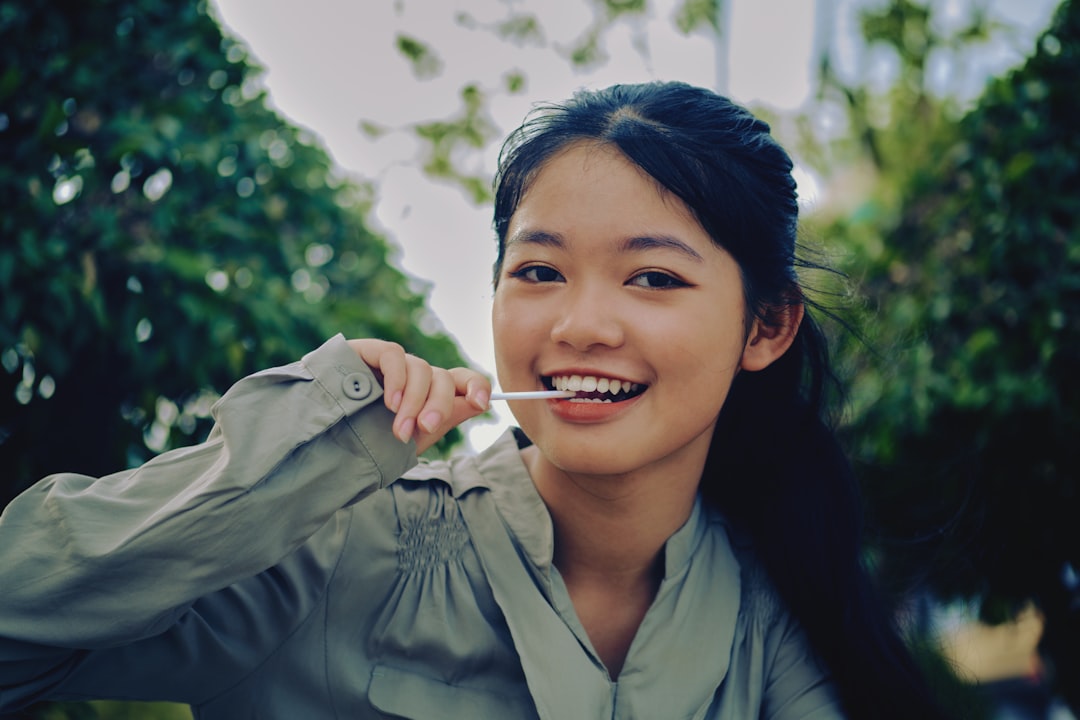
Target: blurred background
191,191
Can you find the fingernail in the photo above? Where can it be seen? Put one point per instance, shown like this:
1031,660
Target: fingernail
430,421
482,399
395,401
406,432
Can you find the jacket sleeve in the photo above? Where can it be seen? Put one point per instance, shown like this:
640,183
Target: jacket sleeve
93,565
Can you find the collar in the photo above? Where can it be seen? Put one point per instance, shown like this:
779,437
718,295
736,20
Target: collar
500,470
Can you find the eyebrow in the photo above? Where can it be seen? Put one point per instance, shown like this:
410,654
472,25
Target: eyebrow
536,237
637,243
666,242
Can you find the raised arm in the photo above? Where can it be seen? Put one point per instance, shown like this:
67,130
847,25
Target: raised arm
91,563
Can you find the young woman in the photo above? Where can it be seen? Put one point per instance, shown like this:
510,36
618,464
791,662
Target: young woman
678,540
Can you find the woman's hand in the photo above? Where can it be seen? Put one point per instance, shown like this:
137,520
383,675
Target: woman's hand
426,401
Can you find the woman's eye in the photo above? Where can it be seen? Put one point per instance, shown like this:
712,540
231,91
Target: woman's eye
537,274
656,279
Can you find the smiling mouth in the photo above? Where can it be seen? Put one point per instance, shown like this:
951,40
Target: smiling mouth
594,388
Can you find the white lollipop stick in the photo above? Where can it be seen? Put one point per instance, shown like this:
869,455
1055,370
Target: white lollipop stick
533,395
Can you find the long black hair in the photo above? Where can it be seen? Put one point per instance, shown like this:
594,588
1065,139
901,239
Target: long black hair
801,510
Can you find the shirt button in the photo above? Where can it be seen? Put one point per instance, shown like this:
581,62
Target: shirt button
356,386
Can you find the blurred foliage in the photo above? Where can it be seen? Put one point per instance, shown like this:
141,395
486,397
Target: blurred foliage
444,138
425,63
965,409
695,14
163,234
452,145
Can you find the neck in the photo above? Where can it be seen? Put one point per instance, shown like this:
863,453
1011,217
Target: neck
609,537
612,528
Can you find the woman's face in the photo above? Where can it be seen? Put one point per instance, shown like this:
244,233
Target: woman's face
609,282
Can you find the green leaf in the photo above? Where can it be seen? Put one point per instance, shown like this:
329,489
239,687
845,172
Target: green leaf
425,63
694,14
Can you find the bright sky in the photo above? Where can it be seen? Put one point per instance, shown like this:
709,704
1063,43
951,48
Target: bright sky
332,63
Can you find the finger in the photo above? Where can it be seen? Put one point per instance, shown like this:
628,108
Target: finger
439,403
414,394
474,387
460,410
455,396
393,364
387,361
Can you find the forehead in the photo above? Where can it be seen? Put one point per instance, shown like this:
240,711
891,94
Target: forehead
595,165
592,190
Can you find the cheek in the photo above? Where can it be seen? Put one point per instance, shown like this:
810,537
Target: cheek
499,334
710,347
512,329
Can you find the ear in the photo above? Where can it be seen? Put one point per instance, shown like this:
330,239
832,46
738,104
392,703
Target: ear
769,338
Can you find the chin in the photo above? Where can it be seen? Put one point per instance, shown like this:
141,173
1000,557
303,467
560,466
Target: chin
598,453
589,461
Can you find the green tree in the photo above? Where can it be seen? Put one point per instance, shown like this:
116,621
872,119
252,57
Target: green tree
163,234
966,413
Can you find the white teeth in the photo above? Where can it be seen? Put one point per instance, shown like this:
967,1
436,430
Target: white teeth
592,383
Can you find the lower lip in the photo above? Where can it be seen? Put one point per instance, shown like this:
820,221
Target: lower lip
585,412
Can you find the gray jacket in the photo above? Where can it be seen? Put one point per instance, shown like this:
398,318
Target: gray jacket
300,564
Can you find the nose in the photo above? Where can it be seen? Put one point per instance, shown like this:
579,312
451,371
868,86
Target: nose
589,318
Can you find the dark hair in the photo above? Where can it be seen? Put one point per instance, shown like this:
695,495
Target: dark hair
802,513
